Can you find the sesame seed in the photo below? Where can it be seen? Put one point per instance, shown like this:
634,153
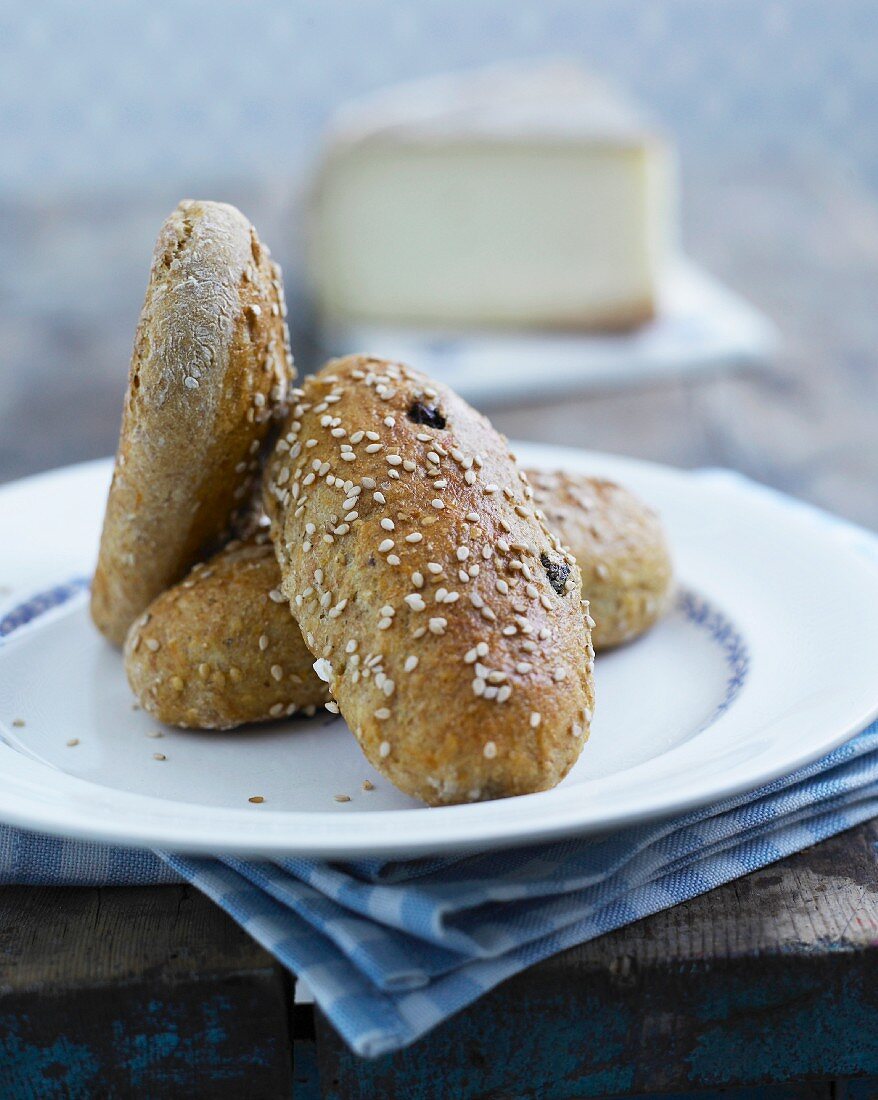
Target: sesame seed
177,683
73,742
437,503
392,559
411,663
490,750
559,674
384,749
379,496
415,601
276,597
332,707
482,649
394,460
348,456
462,553
382,714
386,545
535,719
437,625
523,667
388,524
434,567
342,797
415,536
504,693
277,672
385,624
470,477
479,686
351,516
373,448
159,756
152,644
389,421
418,579
490,488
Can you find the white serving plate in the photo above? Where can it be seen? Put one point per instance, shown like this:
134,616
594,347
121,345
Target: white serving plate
766,662
701,327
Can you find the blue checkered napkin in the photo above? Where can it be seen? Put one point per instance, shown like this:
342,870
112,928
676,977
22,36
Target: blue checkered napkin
388,960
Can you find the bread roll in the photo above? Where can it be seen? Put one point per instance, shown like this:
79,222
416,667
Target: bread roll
209,372
620,546
444,614
221,649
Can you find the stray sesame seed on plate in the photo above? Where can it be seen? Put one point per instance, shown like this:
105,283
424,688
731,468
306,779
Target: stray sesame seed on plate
18,722
368,785
342,797
73,742
159,756
256,799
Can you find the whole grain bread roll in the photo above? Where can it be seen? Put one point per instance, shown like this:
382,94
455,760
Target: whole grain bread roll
220,649
444,614
209,372
618,543
620,546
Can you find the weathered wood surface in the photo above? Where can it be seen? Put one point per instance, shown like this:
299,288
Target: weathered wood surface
767,979
136,991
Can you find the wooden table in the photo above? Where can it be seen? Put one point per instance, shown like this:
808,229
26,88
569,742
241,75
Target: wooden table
766,985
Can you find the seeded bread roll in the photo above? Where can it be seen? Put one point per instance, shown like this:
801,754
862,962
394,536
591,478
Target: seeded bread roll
221,649
445,616
209,372
619,545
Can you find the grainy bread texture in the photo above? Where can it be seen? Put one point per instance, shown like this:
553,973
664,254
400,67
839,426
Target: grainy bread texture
616,539
620,546
445,616
209,373
221,649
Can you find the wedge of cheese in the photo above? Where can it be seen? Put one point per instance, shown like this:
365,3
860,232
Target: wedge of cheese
509,197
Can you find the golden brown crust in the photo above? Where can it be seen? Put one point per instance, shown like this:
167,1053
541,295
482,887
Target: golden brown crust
210,369
217,651
620,546
414,569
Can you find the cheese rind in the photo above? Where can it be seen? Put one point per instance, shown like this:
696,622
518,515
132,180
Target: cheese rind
471,201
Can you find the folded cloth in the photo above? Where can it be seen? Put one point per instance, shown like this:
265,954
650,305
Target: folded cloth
390,949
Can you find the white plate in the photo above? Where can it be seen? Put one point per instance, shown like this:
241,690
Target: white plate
701,326
766,662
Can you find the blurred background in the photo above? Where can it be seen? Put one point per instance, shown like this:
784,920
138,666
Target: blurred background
110,113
